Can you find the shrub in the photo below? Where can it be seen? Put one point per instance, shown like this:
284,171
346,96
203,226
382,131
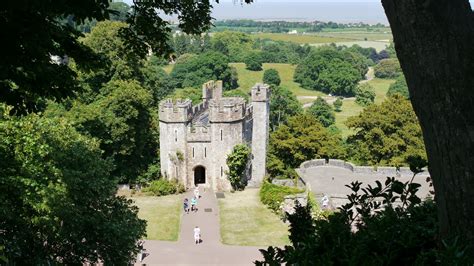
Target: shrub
365,94
164,187
387,69
399,87
273,195
393,227
271,77
322,111
253,61
337,104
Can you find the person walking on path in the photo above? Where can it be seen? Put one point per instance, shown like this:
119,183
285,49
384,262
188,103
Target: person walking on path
196,193
186,205
197,235
193,204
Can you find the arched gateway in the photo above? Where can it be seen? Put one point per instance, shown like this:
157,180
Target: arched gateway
199,175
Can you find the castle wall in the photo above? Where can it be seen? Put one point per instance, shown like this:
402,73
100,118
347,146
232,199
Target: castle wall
260,132
173,152
205,134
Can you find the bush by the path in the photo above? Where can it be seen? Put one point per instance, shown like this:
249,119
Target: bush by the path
164,187
273,195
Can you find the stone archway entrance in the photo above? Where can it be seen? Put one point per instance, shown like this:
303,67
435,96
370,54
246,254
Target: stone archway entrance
199,175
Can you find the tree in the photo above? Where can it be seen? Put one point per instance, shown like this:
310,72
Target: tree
365,94
283,105
122,118
440,75
399,87
331,71
303,138
271,77
196,70
237,162
253,61
387,69
35,31
386,134
55,188
337,104
322,111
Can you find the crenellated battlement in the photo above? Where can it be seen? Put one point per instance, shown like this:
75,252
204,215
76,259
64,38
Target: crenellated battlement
212,90
176,112
260,92
229,109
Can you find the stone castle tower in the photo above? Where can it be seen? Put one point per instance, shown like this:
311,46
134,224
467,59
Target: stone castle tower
195,140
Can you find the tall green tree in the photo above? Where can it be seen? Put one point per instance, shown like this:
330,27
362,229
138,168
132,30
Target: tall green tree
122,118
57,197
386,134
33,31
303,138
322,111
332,71
440,75
388,69
196,70
283,105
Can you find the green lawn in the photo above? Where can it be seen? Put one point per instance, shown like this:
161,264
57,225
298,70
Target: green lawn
162,215
298,38
381,88
351,108
168,68
247,78
245,221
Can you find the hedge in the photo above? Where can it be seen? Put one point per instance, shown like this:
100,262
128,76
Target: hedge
273,195
164,187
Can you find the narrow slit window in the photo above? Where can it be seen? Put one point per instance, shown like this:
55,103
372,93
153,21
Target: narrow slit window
221,134
176,135
222,171
205,152
193,152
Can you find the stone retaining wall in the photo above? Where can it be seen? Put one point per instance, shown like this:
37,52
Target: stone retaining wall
387,171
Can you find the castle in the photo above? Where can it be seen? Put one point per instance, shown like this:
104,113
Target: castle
195,140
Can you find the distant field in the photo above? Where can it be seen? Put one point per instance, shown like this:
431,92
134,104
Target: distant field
378,45
298,38
245,221
358,34
247,78
381,88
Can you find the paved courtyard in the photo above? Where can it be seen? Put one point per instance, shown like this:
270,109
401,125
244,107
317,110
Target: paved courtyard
331,180
210,251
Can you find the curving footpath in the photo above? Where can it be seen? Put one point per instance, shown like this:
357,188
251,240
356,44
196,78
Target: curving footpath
210,252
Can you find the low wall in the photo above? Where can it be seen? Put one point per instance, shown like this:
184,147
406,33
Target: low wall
387,171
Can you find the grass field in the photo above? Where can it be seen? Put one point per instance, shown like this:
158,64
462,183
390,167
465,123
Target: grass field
351,108
168,68
247,78
162,215
298,38
245,221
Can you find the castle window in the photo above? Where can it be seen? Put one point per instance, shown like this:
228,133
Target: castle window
205,152
221,134
193,152
222,171
176,135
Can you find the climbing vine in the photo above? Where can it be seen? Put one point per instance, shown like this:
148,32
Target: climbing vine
237,162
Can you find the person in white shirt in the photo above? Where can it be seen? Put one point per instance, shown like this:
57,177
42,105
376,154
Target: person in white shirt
197,235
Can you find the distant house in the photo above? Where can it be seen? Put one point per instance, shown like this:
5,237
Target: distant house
293,32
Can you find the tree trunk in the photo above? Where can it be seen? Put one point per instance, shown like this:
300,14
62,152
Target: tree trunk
434,41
